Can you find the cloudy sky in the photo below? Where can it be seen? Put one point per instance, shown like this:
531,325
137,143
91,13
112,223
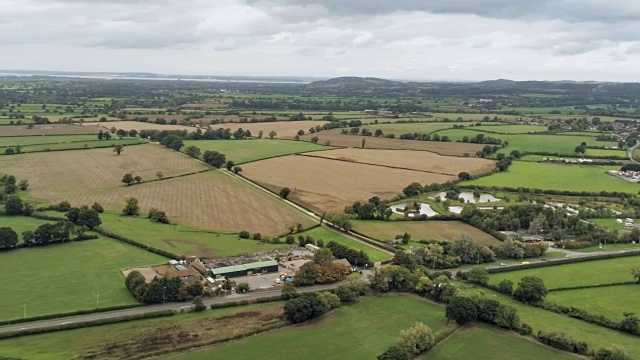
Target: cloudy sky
400,39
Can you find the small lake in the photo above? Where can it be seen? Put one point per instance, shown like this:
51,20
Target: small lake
469,198
456,209
425,209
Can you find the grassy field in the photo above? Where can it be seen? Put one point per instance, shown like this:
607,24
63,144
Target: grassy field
180,239
611,302
50,139
557,177
610,224
481,342
510,129
76,145
348,333
243,151
539,319
327,235
422,230
142,336
599,272
604,152
21,223
609,247
67,277
424,127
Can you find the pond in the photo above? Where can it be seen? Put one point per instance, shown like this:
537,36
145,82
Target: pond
469,198
425,209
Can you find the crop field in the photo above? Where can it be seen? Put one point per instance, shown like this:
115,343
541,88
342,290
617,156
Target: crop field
408,159
243,151
474,117
604,152
64,277
481,342
7,121
443,148
79,145
599,272
48,129
557,177
423,127
137,125
327,235
611,302
422,230
41,140
539,319
329,185
348,333
509,129
182,240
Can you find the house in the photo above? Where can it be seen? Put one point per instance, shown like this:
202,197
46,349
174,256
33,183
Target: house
176,271
261,267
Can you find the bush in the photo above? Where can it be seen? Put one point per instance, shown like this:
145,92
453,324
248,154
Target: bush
394,352
506,287
563,342
63,206
97,207
615,354
257,236
244,235
156,215
530,289
305,307
243,288
416,339
199,305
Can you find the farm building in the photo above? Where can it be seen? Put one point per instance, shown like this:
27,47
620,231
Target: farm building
261,267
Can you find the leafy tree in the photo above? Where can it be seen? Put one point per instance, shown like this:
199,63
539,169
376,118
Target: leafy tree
230,165
611,354
364,142
339,220
156,215
260,134
478,275
192,151
133,133
300,132
159,175
289,291
462,309
8,238
412,190
118,149
530,289
237,169
214,158
630,324
284,193
272,134
636,273
315,139
28,238
198,304
14,206
23,185
138,179
132,207
243,288
97,207
304,307
9,151
506,287
127,179
465,176
323,256
394,352
176,144
416,339
121,133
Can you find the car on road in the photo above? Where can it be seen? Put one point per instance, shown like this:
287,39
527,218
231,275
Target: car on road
543,259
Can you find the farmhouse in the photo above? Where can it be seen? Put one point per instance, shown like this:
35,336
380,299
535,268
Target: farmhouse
261,267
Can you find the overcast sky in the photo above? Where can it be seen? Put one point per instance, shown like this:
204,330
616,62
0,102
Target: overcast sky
400,39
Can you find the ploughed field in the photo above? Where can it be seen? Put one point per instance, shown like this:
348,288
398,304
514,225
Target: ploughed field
328,185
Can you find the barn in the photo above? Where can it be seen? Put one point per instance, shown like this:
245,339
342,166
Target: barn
262,267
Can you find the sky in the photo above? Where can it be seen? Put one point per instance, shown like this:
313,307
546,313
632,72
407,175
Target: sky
397,39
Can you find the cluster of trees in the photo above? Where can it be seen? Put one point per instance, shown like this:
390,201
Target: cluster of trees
85,217
355,257
373,209
15,206
161,289
304,307
158,216
322,270
482,139
464,309
44,234
410,343
129,179
10,185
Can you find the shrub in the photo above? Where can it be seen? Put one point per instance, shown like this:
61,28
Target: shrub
506,287
608,354
416,339
394,352
243,288
563,342
530,289
97,207
304,308
244,235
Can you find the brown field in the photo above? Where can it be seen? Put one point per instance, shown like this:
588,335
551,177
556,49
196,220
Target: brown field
328,185
443,148
408,159
47,129
206,119
135,125
423,230
210,200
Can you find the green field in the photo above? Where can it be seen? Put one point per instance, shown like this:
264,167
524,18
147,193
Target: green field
481,342
180,239
510,129
425,127
604,152
68,277
244,151
327,235
360,331
610,224
91,144
6,141
73,344
7,121
19,224
539,319
422,230
578,274
562,177
611,302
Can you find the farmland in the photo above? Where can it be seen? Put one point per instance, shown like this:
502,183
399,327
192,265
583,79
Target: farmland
413,160
611,302
423,230
485,343
600,272
335,138
64,277
557,177
328,185
417,127
79,145
322,233
19,224
510,129
181,240
48,129
243,151
354,333
40,140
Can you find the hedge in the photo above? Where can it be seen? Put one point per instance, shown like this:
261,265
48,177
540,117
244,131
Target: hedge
160,252
593,286
246,302
68,314
549,192
564,261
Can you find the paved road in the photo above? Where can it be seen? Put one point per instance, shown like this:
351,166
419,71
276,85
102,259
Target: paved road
630,152
152,309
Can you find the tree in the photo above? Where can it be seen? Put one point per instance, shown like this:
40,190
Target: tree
14,206
364,141
237,169
8,238
260,133
630,324
323,256
23,185
478,275
284,193
315,139
159,175
339,220
394,352
121,133
156,215
611,354
118,149
243,288
636,273
230,164
133,133
192,151
132,207
462,309
198,304
530,289
9,151
464,176
506,287
304,307
138,179
28,238
214,158
128,179
97,207
412,190
289,291
272,134
416,339
300,132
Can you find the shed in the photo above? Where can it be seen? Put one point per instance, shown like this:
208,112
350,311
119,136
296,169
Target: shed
261,267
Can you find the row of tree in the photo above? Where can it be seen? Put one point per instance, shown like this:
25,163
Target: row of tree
161,289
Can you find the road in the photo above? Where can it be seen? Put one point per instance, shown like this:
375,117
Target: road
114,315
630,152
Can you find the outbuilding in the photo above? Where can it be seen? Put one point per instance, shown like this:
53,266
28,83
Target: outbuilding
262,267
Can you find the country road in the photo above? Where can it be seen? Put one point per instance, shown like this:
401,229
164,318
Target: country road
630,152
114,315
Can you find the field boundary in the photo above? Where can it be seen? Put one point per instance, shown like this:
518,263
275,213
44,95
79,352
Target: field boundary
627,253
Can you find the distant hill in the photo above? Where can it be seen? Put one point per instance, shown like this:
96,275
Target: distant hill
355,81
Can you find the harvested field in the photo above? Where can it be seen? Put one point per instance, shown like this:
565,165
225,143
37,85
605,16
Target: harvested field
328,185
443,148
48,129
136,125
408,159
